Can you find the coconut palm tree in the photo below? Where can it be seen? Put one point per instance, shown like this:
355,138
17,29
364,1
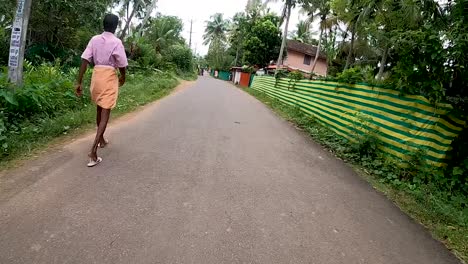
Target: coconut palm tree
215,36
318,9
351,12
385,16
302,33
285,16
216,29
164,31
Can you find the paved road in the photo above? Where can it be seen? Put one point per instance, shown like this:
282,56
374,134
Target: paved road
207,175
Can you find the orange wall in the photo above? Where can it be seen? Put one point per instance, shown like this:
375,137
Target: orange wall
296,60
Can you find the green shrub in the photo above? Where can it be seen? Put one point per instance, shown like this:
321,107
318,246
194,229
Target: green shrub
181,56
280,74
365,137
47,92
294,77
357,75
146,57
352,75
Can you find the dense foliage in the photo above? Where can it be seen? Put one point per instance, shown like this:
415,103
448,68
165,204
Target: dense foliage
215,36
303,33
262,41
60,30
416,47
5,20
252,37
161,45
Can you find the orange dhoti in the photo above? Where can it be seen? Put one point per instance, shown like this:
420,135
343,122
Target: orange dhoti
104,86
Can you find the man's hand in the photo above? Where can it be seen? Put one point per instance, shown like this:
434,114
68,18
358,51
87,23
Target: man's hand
79,82
122,76
78,90
121,80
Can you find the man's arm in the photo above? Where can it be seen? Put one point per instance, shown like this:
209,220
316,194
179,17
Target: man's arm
121,61
123,72
84,66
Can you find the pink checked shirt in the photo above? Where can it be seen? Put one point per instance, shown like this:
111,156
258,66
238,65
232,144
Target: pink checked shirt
106,49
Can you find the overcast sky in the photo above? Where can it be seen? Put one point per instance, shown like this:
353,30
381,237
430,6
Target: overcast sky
200,11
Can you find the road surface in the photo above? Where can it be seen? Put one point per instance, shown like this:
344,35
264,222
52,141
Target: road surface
207,175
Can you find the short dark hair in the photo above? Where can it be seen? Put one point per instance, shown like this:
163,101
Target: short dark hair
110,22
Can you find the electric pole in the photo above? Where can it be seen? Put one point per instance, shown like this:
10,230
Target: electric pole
190,40
18,42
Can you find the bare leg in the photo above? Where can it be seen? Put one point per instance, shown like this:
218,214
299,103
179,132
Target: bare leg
102,141
98,115
104,119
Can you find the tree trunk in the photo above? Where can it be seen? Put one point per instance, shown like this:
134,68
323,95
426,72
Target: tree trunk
129,21
237,55
19,32
128,6
351,48
279,62
383,62
332,39
317,54
152,6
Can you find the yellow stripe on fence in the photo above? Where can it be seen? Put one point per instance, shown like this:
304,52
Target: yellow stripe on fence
334,105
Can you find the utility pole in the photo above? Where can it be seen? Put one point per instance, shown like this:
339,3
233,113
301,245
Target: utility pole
191,33
18,42
190,40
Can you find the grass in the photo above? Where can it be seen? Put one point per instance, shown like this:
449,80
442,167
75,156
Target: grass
38,134
189,76
444,214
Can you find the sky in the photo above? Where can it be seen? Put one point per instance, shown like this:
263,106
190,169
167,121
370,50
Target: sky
200,11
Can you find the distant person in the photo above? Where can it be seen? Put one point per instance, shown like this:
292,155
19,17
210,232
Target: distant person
107,53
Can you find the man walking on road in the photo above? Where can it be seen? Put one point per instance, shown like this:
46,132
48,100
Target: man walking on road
107,53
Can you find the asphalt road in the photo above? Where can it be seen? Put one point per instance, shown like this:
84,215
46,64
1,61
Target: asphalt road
207,175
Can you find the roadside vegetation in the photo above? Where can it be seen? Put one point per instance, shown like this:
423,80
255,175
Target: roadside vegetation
432,203
45,106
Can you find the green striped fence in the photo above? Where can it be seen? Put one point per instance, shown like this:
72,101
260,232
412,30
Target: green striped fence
405,124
